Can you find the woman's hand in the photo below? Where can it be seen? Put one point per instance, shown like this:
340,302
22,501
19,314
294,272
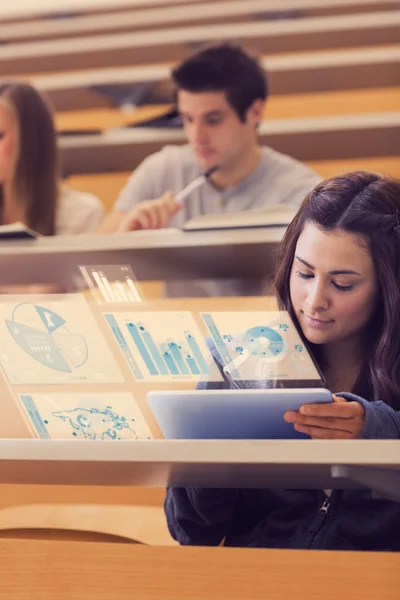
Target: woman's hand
340,420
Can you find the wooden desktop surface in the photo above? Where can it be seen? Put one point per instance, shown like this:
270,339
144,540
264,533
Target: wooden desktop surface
278,107
293,72
151,18
172,44
330,137
44,570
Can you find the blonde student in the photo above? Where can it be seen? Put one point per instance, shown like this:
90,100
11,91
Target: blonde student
338,275
30,189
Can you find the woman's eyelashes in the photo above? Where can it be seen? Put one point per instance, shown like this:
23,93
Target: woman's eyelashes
340,288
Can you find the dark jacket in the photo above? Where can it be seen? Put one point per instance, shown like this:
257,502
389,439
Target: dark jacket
347,520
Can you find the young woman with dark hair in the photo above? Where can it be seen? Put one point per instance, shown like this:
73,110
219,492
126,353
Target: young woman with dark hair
362,350
338,275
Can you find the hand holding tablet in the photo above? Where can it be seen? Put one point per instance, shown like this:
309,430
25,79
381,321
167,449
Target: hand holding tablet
337,420
233,414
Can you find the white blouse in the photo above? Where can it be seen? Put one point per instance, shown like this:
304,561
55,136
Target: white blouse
78,212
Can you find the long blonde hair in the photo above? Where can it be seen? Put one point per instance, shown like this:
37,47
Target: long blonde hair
35,175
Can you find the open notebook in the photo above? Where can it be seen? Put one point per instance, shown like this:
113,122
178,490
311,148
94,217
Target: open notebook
17,231
273,216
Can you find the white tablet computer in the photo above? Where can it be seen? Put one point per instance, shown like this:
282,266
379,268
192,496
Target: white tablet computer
231,414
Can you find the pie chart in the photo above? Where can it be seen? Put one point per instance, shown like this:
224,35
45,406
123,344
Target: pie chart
44,335
264,342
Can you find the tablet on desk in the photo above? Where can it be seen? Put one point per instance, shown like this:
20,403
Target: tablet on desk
231,414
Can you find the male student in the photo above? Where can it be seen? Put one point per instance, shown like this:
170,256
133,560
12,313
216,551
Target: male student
221,94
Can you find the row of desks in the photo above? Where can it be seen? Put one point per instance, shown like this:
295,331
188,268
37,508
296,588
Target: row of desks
307,139
379,100
201,13
68,570
154,255
292,35
302,72
24,10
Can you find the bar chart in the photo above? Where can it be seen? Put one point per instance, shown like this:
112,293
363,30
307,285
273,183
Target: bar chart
112,283
163,346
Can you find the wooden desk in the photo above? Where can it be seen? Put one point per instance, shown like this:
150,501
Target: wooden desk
44,570
348,102
272,464
332,70
389,165
308,138
200,13
154,255
174,44
24,11
107,118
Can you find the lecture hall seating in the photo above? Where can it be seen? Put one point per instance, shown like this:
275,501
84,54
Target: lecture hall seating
325,71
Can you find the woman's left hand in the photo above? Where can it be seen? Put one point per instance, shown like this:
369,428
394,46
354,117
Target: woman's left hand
339,420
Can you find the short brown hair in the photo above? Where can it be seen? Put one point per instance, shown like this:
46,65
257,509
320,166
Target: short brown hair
224,68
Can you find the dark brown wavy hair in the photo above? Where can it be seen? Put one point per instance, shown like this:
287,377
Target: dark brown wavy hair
35,177
367,205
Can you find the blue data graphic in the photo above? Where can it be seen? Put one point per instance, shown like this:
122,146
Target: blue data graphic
263,342
170,357
85,416
95,424
162,346
45,340
259,346
49,341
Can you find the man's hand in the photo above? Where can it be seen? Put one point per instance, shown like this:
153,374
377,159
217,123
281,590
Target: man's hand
151,214
340,420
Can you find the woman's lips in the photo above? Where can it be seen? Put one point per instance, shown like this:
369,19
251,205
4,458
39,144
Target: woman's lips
318,323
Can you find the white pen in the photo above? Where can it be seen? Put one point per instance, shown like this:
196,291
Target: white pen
195,183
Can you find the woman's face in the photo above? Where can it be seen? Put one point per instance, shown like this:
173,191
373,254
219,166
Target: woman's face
333,285
8,142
